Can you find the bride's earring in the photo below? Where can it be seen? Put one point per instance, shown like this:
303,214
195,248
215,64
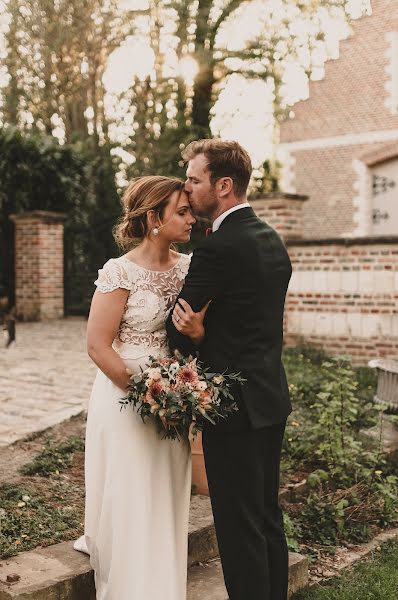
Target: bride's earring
155,231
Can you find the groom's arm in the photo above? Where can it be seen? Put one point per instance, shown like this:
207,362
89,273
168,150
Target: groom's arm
204,281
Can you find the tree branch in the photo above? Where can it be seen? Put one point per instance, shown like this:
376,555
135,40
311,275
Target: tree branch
228,10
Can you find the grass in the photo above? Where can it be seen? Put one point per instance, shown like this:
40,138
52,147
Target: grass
374,579
47,505
29,519
54,458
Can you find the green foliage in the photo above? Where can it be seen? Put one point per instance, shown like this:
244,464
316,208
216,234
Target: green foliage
292,532
37,173
331,402
54,457
351,489
28,519
336,411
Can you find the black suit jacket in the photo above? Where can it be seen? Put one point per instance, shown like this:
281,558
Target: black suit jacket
244,269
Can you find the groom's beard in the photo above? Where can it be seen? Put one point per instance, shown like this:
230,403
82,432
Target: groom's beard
204,207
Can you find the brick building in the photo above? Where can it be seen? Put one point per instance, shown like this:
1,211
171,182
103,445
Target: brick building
341,146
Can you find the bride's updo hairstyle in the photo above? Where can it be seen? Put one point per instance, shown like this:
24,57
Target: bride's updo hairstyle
143,194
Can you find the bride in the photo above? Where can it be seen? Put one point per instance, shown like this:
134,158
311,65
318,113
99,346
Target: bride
137,484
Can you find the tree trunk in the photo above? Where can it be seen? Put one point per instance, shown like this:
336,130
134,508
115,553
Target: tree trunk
202,97
203,85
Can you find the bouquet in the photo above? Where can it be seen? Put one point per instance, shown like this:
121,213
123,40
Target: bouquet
181,395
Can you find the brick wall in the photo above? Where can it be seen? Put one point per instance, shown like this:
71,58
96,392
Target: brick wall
343,296
350,113
284,212
39,266
329,177
352,96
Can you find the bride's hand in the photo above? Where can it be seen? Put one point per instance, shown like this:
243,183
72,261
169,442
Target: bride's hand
188,322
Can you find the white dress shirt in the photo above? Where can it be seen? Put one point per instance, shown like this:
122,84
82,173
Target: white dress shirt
221,217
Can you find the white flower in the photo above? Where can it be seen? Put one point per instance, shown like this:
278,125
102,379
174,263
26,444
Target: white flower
174,366
218,379
202,386
154,374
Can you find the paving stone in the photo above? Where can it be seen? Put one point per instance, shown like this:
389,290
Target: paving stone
45,377
206,582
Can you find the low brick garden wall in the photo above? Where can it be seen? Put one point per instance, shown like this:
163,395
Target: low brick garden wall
343,296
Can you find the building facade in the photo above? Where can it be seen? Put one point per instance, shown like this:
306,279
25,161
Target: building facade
341,146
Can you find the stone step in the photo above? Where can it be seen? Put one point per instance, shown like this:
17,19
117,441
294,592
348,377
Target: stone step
206,582
58,572
202,541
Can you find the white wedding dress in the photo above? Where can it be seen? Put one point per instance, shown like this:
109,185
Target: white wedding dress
137,484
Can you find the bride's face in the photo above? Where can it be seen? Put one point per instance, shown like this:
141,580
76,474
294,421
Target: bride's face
177,219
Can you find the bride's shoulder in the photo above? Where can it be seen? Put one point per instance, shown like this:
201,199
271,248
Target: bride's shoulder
184,262
112,275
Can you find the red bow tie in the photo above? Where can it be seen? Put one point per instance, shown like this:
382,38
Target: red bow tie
209,230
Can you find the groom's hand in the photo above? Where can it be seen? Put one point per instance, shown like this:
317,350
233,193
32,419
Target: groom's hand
188,322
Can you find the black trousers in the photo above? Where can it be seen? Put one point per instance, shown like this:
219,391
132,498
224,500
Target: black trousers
243,475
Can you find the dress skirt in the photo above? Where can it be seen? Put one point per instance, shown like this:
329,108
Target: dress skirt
137,501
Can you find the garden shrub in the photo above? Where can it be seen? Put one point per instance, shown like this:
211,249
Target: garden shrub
352,489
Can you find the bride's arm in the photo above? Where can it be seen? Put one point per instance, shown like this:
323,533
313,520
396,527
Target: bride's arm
103,323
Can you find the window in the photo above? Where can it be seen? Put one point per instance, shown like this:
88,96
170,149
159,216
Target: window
385,198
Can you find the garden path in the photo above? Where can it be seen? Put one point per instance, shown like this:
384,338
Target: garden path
45,377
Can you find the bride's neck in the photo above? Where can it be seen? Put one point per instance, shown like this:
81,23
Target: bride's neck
153,253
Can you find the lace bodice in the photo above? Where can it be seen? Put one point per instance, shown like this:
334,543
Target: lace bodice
152,295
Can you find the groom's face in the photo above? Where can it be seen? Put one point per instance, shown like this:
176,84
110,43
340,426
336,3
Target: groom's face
201,193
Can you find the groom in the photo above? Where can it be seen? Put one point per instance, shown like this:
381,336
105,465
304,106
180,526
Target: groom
244,269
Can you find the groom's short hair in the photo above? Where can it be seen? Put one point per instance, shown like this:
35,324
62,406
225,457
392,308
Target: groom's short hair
224,159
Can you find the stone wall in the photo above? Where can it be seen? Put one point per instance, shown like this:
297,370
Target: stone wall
343,296
39,265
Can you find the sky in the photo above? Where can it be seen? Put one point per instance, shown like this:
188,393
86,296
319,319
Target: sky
244,108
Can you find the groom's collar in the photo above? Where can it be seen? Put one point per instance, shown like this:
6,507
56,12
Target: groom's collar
220,218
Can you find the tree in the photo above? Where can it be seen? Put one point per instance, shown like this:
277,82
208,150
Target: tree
170,111
57,54
200,33
58,51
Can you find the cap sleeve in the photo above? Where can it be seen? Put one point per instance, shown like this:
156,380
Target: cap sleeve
185,261
112,276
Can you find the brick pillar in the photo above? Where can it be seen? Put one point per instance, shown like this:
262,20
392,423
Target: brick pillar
284,212
39,265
